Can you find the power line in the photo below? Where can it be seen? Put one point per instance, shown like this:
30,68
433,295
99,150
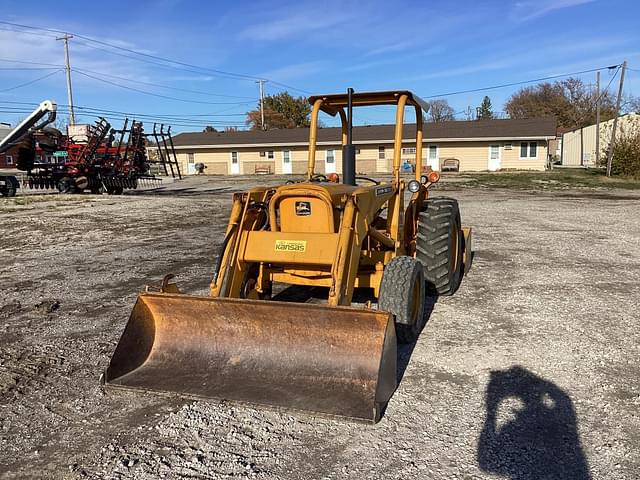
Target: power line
161,86
27,33
184,120
287,86
148,56
162,65
173,122
494,87
284,85
11,60
31,82
98,109
157,94
28,68
142,54
601,96
193,69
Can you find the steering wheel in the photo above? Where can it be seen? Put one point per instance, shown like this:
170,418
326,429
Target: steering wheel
376,182
318,177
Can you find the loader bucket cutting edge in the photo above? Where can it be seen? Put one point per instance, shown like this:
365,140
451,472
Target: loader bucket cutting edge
331,360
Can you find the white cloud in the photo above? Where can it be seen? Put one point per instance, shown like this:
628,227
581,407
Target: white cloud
530,10
291,25
393,47
456,72
293,71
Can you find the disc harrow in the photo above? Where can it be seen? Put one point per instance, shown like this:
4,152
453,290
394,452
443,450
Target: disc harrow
101,160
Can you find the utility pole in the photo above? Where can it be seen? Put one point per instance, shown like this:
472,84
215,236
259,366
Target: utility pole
615,120
66,37
598,118
261,83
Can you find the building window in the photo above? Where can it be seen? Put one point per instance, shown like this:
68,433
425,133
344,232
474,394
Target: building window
529,150
381,153
9,160
494,152
433,152
270,154
286,156
523,149
409,151
331,155
234,158
191,158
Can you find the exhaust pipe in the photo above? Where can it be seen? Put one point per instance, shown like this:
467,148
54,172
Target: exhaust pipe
348,150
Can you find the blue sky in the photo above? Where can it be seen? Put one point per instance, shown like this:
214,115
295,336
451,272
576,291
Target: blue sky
430,47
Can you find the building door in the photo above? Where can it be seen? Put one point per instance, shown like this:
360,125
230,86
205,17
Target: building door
235,164
286,162
191,164
495,162
381,162
433,157
330,161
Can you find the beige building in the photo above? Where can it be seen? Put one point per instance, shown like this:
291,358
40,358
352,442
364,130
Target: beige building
579,146
463,146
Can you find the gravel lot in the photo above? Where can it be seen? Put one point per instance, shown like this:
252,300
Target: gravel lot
529,371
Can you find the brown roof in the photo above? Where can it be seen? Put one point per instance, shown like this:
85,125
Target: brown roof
479,129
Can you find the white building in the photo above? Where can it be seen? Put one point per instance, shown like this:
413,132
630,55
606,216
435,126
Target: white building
579,146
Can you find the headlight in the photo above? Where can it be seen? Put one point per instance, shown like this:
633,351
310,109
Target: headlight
414,186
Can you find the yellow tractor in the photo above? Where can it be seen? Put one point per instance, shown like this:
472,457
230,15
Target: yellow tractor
336,359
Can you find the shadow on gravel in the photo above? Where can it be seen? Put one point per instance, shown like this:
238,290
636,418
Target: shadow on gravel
530,431
406,350
179,192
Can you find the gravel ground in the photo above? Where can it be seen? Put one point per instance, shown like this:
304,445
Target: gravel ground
529,371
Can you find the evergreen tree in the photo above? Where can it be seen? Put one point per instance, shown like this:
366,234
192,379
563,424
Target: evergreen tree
485,111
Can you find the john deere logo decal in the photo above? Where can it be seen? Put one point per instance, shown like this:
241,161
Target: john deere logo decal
291,245
303,209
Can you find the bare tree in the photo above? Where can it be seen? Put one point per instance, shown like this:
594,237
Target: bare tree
440,111
571,101
631,104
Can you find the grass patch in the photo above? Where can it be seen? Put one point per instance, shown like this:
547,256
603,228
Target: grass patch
558,179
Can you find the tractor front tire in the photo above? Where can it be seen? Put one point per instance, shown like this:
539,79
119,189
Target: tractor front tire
402,294
439,245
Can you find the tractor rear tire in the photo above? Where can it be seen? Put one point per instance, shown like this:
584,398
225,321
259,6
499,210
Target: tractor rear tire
402,294
439,245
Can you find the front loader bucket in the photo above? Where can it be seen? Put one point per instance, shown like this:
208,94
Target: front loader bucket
331,360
